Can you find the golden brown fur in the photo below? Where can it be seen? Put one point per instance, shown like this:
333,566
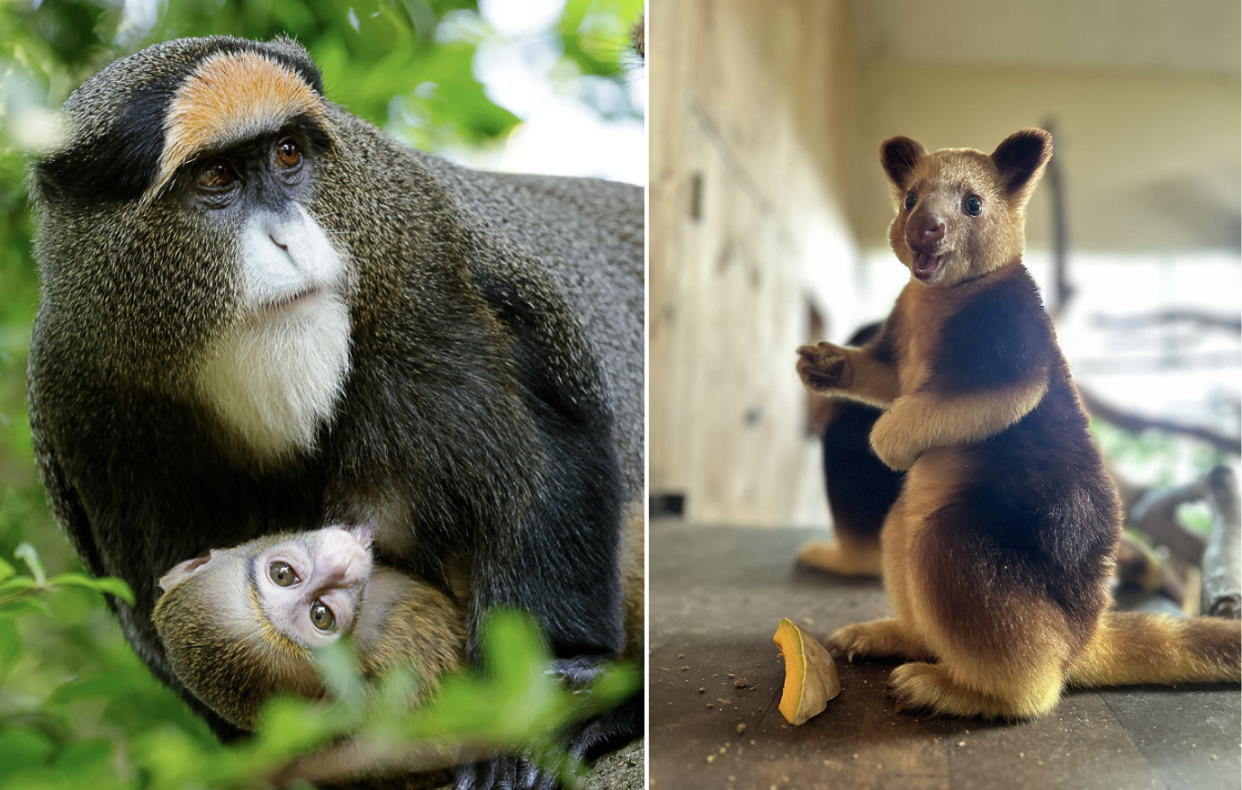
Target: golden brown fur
998,551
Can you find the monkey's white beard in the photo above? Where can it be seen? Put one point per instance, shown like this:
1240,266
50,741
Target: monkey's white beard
277,380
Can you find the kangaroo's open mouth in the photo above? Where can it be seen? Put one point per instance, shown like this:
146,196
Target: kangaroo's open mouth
926,264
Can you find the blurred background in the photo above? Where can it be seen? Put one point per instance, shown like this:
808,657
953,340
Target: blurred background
545,86
769,218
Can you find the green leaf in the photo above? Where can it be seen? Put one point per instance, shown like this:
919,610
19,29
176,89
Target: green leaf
338,666
107,584
103,685
19,584
26,551
87,762
6,569
10,645
22,748
117,587
20,607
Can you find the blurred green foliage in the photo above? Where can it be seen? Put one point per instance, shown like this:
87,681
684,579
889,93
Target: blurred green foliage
77,707
1156,458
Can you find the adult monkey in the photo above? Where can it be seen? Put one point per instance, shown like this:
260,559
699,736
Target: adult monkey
261,314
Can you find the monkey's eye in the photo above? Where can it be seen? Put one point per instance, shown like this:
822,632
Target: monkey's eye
217,174
973,205
288,154
910,200
281,574
322,616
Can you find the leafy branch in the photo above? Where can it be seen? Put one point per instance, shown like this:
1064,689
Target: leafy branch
17,593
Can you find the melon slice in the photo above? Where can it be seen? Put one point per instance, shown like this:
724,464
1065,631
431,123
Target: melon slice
810,674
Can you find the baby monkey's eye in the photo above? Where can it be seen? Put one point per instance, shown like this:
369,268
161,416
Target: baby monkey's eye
281,574
973,205
910,200
322,616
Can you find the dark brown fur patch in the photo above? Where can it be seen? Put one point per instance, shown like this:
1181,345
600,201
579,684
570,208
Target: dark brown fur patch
1038,497
861,489
899,155
998,337
1020,159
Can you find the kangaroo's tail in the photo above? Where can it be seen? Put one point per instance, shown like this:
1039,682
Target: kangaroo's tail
1136,647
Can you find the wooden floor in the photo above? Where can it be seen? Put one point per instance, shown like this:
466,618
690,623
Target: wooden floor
717,595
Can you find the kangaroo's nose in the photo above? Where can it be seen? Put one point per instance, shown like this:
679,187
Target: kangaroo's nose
934,233
924,231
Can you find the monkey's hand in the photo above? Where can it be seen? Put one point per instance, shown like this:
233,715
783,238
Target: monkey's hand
504,772
824,367
585,741
894,440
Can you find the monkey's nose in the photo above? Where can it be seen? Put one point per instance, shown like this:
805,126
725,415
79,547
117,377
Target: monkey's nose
344,561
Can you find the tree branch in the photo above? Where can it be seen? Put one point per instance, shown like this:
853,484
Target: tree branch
1155,515
1222,559
1136,422
1203,319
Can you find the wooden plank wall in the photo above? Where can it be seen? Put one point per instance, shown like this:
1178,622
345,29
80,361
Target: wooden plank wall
749,121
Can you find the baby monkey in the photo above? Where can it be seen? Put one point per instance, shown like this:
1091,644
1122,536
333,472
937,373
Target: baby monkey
240,624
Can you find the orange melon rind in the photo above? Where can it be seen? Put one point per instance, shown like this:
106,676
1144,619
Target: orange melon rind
810,674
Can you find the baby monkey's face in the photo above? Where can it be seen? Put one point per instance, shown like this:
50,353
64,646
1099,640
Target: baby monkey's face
310,585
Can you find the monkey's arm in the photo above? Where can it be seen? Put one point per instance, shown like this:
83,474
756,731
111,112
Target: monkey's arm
860,374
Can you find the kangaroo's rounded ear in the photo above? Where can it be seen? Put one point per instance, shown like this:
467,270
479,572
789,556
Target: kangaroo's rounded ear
1020,160
899,155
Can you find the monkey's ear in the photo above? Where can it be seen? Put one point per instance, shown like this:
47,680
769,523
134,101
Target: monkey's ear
182,571
1020,160
363,533
899,155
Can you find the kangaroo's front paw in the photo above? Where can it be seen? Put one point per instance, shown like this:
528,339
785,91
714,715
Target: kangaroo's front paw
824,367
892,442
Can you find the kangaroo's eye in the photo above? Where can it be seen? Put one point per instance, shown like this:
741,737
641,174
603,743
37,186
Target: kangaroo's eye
973,205
910,200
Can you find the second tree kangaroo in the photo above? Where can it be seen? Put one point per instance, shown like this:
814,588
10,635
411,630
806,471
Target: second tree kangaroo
997,553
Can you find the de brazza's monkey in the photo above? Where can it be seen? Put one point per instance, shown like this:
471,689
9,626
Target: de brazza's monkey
997,553
260,313
240,625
